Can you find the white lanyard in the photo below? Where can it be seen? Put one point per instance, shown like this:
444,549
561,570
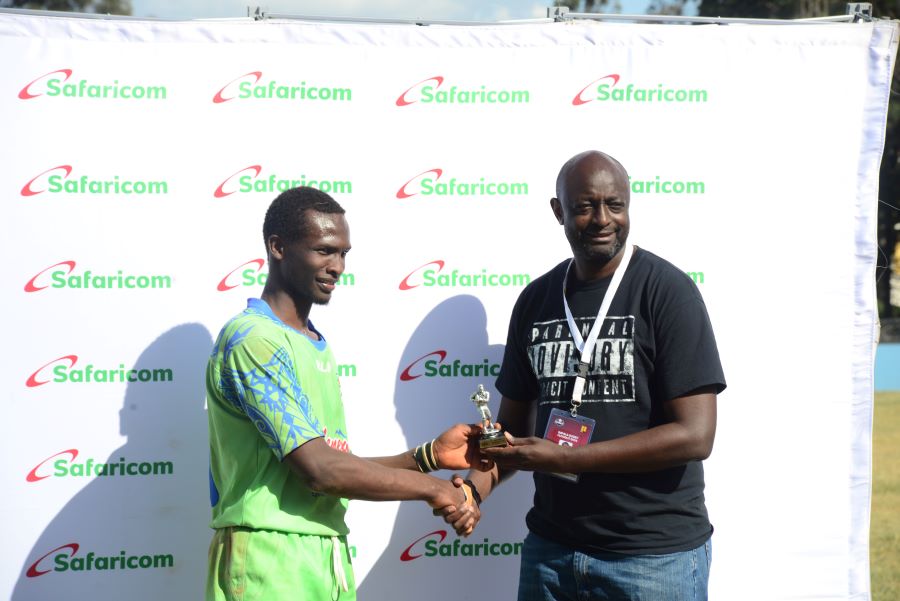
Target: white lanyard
587,347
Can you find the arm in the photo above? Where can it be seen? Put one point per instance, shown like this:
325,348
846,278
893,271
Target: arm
333,472
515,417
263,384
688,436
455,449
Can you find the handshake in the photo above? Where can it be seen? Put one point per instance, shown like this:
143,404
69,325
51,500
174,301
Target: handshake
459,448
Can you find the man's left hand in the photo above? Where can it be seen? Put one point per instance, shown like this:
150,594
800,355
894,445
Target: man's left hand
457,449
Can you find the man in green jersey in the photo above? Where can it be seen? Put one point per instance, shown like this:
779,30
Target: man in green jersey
281,470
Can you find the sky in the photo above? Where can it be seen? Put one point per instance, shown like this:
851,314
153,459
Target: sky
453,10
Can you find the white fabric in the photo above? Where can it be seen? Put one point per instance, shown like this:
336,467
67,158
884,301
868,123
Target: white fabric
132,229
337,565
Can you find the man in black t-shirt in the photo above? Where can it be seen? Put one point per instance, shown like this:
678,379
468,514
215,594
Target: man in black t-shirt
612,406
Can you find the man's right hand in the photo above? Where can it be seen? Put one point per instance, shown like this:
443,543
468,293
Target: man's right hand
456,499
464,520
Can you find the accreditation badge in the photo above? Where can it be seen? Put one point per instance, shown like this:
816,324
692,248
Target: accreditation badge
569,431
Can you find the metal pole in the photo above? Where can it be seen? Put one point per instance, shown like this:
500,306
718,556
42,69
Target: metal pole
562,14
707,20
856,12
293,17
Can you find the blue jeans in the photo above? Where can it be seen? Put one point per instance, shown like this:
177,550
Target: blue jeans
552,572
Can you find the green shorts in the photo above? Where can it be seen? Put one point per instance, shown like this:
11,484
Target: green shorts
262,565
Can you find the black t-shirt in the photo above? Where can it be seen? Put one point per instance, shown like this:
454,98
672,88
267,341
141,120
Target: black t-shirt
656,344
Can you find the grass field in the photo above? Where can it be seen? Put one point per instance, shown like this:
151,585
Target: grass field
885,533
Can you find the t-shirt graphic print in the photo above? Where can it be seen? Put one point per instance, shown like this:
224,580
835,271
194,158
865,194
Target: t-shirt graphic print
554,359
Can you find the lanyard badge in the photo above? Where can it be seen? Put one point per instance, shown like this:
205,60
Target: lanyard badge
587,346
568,431
568,428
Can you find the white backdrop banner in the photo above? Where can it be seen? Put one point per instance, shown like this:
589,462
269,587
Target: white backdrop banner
138,161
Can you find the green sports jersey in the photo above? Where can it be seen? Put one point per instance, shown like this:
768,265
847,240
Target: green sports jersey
269,390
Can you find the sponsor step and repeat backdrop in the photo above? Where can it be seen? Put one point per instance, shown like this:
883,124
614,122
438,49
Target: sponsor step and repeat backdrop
138,159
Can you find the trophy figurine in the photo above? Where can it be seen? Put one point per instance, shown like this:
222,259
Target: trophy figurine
490,435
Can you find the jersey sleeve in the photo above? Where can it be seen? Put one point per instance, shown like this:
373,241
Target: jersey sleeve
261,381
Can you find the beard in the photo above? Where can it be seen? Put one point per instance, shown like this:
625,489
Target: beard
598,254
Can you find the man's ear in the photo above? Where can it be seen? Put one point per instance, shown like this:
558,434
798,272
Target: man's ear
275,247
557,209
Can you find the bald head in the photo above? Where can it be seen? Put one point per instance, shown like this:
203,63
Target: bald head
592,198
590,160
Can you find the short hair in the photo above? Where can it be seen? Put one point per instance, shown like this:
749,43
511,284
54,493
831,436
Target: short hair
286,216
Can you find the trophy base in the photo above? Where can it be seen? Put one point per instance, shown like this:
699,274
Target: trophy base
492,439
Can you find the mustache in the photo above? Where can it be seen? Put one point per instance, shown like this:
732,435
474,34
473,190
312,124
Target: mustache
593,231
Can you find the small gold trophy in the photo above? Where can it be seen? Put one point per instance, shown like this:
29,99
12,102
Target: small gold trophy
490,435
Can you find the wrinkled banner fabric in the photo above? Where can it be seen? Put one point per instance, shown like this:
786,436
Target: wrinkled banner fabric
139,158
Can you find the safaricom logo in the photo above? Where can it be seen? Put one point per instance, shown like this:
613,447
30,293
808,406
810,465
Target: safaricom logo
60,83
433,545
251,274
63,465
63,371
607,88
428,183
60,276
433,91
248,86
249,179
63,559
57,180
435,364
666,186
429,275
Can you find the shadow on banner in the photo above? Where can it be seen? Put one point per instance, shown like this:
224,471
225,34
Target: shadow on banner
143,535
423,551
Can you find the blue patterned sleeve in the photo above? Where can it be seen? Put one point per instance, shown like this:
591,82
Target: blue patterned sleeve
260,381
